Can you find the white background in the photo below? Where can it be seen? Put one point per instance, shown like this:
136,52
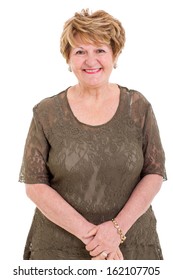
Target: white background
32,68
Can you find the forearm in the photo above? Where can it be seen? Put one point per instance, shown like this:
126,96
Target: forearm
105,238
57,210
139,201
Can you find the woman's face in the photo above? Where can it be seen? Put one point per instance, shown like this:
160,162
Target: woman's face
91,64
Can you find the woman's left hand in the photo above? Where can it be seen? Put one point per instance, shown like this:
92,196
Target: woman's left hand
105,239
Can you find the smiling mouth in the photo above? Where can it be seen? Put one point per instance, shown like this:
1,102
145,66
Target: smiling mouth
92,71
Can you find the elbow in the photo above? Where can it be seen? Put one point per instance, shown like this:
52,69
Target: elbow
159,181
35,191
154,180
29,189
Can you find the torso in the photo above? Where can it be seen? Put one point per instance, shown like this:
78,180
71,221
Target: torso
95,169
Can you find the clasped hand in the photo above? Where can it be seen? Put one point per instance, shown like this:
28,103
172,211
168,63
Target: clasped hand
104,243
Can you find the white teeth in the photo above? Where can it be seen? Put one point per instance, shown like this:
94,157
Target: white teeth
91,70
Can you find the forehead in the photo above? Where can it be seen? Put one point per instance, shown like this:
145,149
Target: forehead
85,41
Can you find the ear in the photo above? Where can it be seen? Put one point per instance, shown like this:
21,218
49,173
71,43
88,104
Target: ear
115,61
69,68
116,58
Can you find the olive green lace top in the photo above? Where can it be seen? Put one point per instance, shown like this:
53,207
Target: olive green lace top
95,169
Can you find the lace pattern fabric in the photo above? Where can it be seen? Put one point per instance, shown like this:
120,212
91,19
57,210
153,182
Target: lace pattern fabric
95,168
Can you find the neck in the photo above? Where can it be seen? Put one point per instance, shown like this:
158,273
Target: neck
96,93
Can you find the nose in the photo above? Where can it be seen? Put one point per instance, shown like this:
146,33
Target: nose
91,59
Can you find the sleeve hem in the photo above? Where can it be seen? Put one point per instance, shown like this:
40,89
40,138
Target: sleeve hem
163,175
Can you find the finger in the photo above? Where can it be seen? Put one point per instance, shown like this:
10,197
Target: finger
120,255
110,256
102,256
98,250
92,232
99,257
92,245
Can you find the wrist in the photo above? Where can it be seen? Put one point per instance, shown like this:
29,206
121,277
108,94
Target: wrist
119,230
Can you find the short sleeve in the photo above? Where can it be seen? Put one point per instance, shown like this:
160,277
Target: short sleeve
154,156
34,169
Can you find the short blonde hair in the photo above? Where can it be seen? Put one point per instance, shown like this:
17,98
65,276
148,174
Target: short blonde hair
98,27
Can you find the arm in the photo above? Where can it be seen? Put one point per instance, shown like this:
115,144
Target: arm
57,210
106,236
139,201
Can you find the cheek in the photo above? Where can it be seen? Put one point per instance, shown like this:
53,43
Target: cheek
75,64
108,61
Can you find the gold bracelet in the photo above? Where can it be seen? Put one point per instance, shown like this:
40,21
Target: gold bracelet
122,236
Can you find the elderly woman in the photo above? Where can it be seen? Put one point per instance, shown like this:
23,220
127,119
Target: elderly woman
93,159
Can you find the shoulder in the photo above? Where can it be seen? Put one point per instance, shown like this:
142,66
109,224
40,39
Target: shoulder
48,104
134,96
49,110
135,101
136,105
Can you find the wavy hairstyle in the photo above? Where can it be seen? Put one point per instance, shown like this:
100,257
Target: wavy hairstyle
98,28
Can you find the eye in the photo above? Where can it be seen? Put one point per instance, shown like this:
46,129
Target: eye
80,52
100,51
